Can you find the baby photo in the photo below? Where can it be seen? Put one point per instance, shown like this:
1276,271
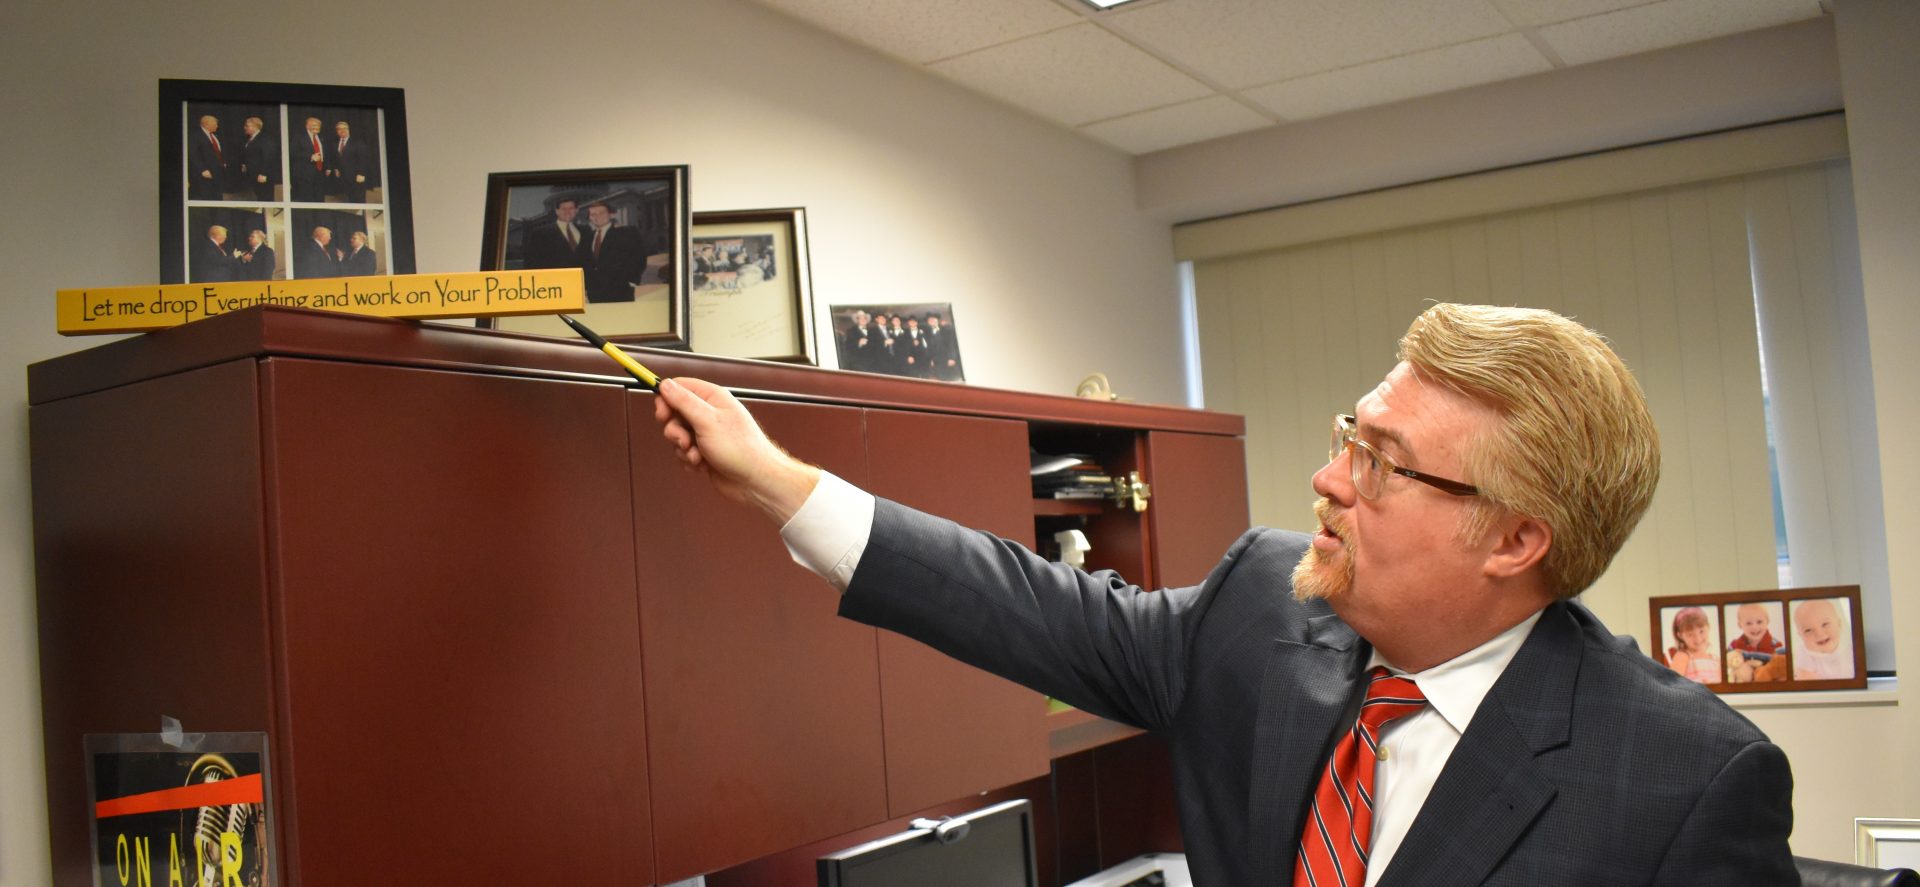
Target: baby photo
1822,640
1691,639
1758,651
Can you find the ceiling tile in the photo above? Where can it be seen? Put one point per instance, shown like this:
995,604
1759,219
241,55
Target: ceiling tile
1074,75
922,31
1241,43
1531,13
1148,131
1668,23
1378,83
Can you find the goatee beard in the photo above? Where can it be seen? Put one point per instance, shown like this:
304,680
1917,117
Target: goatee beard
1317,578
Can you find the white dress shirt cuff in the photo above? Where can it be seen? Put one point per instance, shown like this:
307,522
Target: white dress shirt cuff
829,532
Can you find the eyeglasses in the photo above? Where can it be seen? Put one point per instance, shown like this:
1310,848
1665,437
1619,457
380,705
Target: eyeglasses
1370,467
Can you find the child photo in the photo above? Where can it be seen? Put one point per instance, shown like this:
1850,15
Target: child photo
1758,651
1692,642
1822,640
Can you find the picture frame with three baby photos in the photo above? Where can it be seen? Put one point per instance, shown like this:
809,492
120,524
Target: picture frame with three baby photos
1776,640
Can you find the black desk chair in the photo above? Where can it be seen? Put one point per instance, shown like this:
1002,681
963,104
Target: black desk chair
1821,873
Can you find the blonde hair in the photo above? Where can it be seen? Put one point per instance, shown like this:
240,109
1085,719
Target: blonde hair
1575,448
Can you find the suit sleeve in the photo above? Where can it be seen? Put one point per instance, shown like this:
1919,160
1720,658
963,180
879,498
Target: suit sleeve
1090,639
1737,832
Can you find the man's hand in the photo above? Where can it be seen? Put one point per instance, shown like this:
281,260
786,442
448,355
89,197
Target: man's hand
712,433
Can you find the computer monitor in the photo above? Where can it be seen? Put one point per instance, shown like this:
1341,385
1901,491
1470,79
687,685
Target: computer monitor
990,847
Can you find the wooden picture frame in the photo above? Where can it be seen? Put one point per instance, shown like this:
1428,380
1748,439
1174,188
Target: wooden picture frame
251,173
750,285
1763,641
630,238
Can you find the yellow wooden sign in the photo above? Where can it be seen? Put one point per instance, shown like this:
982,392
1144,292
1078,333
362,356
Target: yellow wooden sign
132,309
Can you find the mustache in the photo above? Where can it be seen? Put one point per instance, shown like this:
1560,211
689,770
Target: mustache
1334,522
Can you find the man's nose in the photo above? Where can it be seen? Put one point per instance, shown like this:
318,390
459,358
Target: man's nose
1334,480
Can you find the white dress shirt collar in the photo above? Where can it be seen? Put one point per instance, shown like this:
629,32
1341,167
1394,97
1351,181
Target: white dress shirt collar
1456,687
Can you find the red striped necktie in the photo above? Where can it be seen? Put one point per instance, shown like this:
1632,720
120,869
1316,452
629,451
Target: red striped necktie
1339,829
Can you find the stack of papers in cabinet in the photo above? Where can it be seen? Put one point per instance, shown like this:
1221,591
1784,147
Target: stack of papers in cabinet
1069,476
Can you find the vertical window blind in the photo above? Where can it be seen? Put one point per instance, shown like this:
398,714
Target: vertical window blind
1670,275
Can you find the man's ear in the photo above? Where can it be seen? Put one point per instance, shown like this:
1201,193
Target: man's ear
1520,543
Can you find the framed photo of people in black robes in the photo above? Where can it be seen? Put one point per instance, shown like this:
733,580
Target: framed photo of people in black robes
915,340
625,228
253,173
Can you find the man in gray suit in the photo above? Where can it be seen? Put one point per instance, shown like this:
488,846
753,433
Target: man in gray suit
1410,696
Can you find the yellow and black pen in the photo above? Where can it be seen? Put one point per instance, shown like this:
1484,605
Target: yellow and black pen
632,366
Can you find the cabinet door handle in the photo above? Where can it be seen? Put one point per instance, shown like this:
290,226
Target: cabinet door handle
1131,491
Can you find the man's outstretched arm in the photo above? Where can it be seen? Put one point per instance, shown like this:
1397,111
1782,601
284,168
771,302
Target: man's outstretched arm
1090,639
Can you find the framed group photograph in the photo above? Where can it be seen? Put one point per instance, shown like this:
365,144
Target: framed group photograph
752,295
278,181
915,340
1756,641
626,229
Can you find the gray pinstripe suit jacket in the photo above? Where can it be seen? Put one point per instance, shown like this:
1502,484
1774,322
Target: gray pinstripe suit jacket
1588,763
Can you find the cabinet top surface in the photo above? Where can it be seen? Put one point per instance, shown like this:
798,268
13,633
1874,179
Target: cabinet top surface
271,331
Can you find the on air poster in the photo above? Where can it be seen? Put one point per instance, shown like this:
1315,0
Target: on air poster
180,810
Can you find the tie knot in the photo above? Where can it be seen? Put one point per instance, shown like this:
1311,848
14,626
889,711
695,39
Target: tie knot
1389,696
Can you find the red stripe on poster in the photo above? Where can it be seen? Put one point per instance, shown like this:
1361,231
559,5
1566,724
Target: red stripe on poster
242,790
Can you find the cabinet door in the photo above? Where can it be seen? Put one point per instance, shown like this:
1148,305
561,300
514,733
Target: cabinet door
460,685
146,536
763,705
952,730
1199,502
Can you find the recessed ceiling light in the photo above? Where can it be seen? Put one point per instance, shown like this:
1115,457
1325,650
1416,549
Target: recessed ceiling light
1106,4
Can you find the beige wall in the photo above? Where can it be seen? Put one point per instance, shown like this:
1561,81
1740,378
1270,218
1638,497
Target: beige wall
916,192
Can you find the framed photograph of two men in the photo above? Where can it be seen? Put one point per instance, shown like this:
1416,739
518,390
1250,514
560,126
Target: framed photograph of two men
277,181
626,229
